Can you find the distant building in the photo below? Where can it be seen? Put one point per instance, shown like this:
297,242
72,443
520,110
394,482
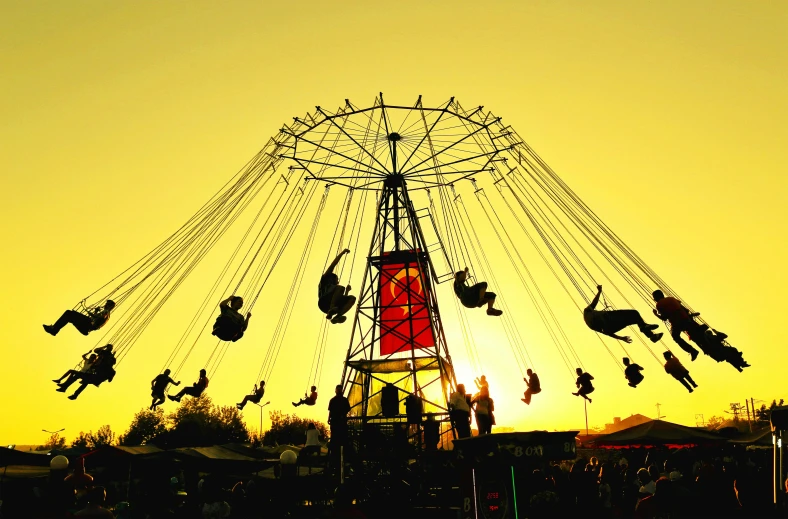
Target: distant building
619,424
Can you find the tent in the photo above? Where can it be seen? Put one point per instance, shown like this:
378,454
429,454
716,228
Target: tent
659,433
756,440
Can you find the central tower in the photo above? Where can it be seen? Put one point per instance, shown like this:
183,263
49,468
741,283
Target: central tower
397,337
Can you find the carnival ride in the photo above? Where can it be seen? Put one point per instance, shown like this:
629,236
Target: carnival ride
406,177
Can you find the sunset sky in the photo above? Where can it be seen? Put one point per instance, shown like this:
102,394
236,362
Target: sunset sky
120,119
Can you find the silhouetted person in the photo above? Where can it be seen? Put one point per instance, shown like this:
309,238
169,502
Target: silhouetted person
483,408
481,382
608,322
95,508
103,370
88,361
231,325
460,412
308,400
584,384
533,384
670,309
312,444
158,385
194,390
85,323
254,397
475,296
333,299
632,373
338,408
674,368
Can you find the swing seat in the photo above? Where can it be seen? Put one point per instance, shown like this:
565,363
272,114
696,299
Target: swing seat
226,330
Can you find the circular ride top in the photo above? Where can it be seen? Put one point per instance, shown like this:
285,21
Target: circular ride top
416,170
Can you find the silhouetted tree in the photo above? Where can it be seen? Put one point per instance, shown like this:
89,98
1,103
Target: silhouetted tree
764,414
103,436
714,422
55,441
146,426
289,429
197,422
82,441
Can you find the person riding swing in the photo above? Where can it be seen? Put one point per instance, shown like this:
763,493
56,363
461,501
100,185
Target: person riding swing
475,296
231,325
584,384
308,400
91,321
195,390
158,385
103,370
670,309
534,387
608,322
333,299
674,368
88,363
254,397
632,373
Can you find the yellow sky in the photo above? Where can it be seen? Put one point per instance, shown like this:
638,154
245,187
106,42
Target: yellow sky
120,119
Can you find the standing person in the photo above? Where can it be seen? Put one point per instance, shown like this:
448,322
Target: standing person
534,387
670,309
338,408
483,408
85,323
334,299
195,390
675,369
308,400
608,322
632,373
255,396
231,325
481,382
475,296
584,384
460,412
158,385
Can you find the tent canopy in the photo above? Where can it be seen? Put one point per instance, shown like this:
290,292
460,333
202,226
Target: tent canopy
659,433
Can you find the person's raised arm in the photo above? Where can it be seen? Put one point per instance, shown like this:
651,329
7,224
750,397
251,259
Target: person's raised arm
334,263
594,301
174,383
462,276
226,301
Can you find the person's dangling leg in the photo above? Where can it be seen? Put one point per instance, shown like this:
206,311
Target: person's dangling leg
80,321
345,303
527,396
79,391
685,384
490,298
689,379
73,376
675,333
68,373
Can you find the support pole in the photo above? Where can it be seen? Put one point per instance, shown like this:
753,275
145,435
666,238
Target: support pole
585,408
747,403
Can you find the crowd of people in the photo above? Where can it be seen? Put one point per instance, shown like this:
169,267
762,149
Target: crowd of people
654,484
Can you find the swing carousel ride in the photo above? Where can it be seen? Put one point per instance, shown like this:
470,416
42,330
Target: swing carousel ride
402,179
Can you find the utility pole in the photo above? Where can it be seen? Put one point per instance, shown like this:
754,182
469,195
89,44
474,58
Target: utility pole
736,409
659,416
747,403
